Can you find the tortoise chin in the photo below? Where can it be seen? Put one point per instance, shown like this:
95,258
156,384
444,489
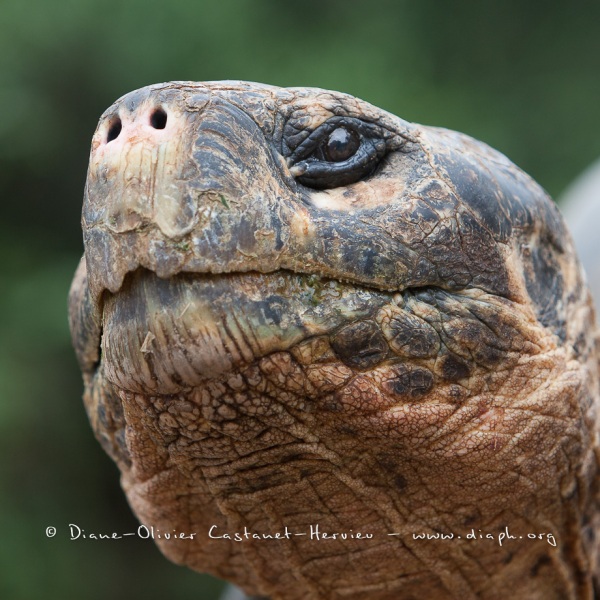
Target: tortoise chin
296,309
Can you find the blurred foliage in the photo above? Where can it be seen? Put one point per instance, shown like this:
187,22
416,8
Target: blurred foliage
522,76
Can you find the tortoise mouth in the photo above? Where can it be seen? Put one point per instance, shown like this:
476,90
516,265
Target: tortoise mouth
167,335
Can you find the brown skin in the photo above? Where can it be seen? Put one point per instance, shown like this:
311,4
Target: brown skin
397,342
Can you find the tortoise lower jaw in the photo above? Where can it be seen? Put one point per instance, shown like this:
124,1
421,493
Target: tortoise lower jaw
162,336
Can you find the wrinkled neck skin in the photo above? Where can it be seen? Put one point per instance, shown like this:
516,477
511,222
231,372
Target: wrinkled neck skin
407,359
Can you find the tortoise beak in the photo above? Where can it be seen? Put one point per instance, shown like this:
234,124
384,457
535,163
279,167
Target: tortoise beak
179,183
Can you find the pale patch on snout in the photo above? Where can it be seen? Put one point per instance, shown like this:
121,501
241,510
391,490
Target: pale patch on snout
142,164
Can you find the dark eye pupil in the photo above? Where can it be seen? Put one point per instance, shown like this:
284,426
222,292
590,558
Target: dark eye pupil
341,145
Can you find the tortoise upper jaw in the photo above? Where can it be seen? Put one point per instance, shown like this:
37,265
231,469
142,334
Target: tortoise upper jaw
168,189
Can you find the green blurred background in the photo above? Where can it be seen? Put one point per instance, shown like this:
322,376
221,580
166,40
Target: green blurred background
522,76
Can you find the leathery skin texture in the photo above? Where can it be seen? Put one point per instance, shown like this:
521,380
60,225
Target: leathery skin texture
296,310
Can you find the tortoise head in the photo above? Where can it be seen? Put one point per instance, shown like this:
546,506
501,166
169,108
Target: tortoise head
295,308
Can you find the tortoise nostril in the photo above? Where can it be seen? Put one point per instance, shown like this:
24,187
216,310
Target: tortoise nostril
158,119
114,130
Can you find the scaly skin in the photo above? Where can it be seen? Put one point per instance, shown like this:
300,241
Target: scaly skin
270,339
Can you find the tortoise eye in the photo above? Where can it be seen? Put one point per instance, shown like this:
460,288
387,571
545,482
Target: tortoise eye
341,145
340,151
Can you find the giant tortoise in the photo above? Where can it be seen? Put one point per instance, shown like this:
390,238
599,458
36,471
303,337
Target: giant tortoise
335,354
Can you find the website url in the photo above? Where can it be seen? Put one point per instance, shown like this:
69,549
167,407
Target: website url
500,537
